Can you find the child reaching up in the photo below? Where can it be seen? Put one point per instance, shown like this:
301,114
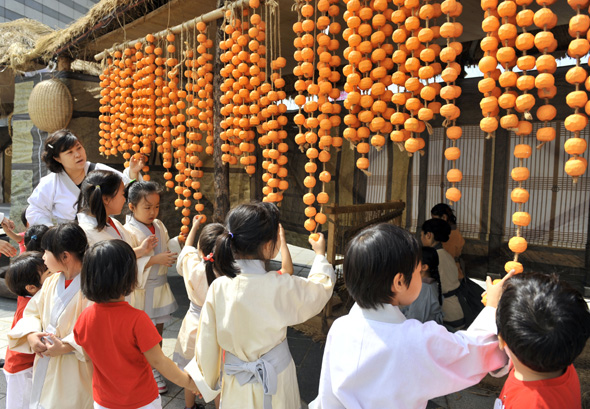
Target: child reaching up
374,357
543,325
121,340
427,306
8,226
247,311
195,265
62,375
24,278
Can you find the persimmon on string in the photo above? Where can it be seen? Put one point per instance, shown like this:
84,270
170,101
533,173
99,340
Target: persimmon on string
488,64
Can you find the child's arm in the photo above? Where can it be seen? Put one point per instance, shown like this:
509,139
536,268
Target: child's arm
165,258
146,246
192,235
287,262
166,367
55,346
7,249
8,227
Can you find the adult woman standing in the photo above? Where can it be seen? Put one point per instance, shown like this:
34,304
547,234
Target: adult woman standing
456,241
53,200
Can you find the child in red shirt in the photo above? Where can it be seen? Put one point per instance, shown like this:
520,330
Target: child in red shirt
122,341
543,324
24,278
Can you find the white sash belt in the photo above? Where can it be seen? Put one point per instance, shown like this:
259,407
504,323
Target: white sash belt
195,309
264,370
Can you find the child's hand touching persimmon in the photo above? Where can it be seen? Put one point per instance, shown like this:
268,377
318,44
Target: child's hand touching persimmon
318,245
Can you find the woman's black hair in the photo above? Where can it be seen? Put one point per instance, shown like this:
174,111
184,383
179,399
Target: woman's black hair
137,190
443,209
207,239
26,269
248,227
440,229
109,271
373,258
98,184
34,235
65,237
23,217
58,142
430,258
544,321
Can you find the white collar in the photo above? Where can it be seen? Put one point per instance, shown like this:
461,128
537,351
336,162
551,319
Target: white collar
249,266
84,218
383,313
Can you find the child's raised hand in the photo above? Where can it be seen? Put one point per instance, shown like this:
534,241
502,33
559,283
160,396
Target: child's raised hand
493,291
7,224
318,243
197,220
35,342
148,244
136,163
166,258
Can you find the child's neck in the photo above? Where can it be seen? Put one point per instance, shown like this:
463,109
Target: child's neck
526,374
121,298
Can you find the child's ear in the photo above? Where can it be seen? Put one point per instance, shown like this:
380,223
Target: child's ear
501,342
399,284
425,268
32,289
131,207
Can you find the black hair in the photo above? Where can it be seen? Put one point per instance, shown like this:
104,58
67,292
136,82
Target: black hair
544,321
136,190
248,227
33,237
440,229
26,269
65,237
430,258
443,209
109,271
58,142
373,258
98,184
23,217
207,239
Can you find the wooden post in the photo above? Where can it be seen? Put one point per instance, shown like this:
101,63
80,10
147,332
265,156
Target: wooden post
498,205
423,183
220,169
64,63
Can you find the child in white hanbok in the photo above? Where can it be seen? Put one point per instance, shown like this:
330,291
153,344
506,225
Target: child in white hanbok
247,311
374,357
195,265
62,374
152,294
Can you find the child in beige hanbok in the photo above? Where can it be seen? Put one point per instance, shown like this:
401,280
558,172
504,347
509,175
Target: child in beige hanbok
247,311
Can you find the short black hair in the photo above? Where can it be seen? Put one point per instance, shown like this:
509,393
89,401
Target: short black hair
65,237
430,258
248,227
26,269
440,229
137,190
96,185
443,209
207,240
34,235
544,321
372,260
109,271
23,216
58,142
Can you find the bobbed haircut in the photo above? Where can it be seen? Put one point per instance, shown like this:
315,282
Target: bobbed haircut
58,142
207,240
373,258
544,321
440,229
109,271
65,237
248,227
98,184
138,190
26,269
443,209
430,258
34,235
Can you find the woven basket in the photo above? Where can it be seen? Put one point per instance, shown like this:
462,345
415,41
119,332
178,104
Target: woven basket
50,105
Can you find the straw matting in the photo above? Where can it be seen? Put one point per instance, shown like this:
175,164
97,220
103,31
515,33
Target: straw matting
17,43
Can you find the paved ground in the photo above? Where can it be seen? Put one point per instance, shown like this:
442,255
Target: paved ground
307,354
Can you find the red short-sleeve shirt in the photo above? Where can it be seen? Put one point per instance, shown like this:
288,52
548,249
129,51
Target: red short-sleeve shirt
115,336
18,361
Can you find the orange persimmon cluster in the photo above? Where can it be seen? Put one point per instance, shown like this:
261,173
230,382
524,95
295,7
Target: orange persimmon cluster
488,65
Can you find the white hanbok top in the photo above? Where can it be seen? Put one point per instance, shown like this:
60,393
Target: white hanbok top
375,358
248,316
54,199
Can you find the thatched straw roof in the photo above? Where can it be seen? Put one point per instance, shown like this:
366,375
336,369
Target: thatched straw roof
18,39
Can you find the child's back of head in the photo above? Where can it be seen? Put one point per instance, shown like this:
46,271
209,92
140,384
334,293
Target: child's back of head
33,237
207,240
26,273
545,322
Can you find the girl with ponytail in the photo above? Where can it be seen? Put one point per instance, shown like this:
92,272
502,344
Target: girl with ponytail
247,311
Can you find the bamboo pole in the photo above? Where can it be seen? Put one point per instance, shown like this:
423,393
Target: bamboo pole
205,18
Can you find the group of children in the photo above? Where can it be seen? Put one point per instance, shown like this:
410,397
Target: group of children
95,325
